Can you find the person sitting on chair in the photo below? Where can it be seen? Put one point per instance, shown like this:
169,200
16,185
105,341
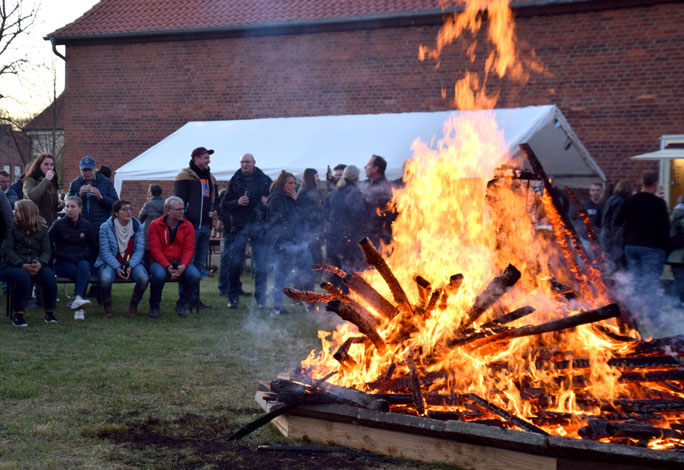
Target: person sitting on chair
171,239
122,245
25,258
73,244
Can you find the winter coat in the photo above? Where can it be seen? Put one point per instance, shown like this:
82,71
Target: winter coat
164,247
611,235
677,219
95,210
256,185
646,220
154,208
16,190
43,192
283,219
347,216
311,210
23,246
109,247
198,196
72,242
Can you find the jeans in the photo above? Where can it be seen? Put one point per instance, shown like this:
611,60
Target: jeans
107,276
79,273
202,240
21,282
646,265
288,257
236,261
190,280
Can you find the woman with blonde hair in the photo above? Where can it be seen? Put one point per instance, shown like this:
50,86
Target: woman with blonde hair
41,185
25,258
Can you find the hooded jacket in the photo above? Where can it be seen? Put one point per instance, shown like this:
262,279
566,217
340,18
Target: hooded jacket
109,246
95,210
198,191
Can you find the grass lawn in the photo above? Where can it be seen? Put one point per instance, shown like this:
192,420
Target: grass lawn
127,393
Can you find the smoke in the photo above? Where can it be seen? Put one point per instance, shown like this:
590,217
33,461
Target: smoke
656,312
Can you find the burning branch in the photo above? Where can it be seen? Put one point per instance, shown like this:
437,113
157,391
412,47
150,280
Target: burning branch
498,287
364,324
375,259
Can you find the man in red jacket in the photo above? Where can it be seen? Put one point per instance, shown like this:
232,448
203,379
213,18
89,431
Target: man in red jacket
172,242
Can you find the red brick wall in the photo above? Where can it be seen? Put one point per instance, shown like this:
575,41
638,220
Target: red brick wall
616,75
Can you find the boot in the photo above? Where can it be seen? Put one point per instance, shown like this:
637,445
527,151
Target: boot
133,308
108,312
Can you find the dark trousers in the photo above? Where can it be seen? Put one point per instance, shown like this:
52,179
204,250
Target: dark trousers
236,262
190,280
21,282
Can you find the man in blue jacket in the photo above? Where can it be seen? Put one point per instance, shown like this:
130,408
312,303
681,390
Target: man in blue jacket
97,193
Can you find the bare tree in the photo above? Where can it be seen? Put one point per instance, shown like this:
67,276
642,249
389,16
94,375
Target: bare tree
15,19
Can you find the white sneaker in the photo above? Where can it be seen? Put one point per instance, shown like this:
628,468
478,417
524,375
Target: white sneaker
79,302
79,315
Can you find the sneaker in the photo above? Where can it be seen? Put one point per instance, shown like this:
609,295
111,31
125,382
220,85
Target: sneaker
50,317
279,311
19,321
154,312
79,315
181,310
232,303
79,302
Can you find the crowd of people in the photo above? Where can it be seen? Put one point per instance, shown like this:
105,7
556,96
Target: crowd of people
287,227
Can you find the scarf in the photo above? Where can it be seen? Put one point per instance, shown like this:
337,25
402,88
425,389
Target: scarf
123,235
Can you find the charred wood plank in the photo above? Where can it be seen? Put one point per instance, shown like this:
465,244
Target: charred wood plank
306,295
492,293
435,399
404,383
590,316
445,415
365,325
450,289
434,298
415,386
563,289
329,268
358,397
652,376
510,317
598,429
342,354
424,290
375,259
627,405
548,418
338,294
614,336
521,423
475,336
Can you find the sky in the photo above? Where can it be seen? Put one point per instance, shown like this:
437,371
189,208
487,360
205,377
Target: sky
30,92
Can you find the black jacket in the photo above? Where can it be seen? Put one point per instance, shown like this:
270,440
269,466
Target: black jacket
646,221
347,219
198,191
72,242
255,185
283,219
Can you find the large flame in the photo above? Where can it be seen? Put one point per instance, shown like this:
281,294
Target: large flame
455,216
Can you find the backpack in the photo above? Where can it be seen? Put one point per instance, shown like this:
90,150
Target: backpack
676,234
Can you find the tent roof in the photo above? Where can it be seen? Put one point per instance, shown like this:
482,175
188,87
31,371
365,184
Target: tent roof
665,154
297,143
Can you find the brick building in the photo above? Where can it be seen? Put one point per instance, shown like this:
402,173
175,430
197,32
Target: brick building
136,70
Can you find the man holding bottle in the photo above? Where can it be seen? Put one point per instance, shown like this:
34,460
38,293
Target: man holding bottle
196,186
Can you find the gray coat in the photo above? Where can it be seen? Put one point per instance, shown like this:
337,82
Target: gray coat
153,209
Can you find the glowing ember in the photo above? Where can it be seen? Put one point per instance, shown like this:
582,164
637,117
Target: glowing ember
458,215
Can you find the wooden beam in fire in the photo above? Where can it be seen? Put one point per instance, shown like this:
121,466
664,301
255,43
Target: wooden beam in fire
365,325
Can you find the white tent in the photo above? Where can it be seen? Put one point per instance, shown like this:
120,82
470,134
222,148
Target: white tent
297,143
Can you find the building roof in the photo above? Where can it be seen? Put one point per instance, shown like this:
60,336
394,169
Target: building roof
47,119
111,18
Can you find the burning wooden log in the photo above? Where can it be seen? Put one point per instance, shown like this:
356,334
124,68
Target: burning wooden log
510,317
424,291
521,423
342,354
451,288
307,296
590,316
599,428
358,397
415,386
653,376
375,259
432,303
359,285
364,324
632,404
337,293
493,292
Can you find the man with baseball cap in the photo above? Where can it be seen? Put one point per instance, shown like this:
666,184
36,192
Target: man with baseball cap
196,186
96,192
